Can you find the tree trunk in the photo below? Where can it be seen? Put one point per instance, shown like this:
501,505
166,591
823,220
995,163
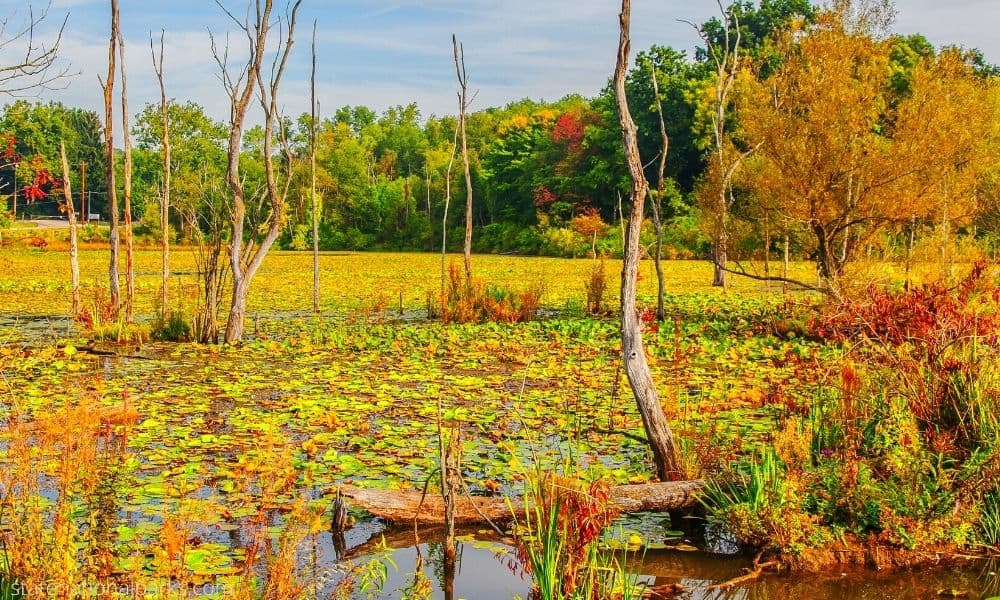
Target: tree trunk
237,310
449,450
640,378
312,176
463,104
165,196
109,156
210,314
74,264
405,507
657,204
721,258
127,190
241,90
444,218
784,273
826,260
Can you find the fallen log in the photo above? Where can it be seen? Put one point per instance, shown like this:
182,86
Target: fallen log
401,507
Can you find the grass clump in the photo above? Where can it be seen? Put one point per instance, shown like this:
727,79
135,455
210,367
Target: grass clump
469,301
595,286
904,455
557,540
174,328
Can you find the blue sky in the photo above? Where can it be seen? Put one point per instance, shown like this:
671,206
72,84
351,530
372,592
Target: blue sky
386,52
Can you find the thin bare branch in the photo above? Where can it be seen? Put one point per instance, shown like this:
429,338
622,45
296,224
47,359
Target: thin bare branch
36,69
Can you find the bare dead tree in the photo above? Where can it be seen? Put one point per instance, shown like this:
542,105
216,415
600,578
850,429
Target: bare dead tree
207,224
658,433
109,154
35,67
165,195
463,106
727,60
246,254
657,202
313,124
450,455
74,263
444,218
127,188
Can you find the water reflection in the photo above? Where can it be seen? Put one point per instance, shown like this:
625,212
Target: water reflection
482,574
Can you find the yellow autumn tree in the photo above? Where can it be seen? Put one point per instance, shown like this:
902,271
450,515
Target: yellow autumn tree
839,154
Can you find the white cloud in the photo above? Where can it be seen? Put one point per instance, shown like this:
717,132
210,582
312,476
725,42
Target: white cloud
394,52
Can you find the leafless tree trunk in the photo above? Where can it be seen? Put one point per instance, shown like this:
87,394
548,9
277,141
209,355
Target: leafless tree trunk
661,439
83,191
909,251
657,203
312,175
109,156
767,249
449,451
35,69
74,264
430,223
207,224
463,106
165,196
246,256
784,271
444,218
727,62
127,190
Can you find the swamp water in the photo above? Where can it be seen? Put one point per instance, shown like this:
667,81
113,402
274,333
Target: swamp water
483,572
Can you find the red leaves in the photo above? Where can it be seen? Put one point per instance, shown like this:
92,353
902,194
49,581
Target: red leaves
544,197
43,184
569,130
10,155
648,317
32,192
931,318
932,339
573,511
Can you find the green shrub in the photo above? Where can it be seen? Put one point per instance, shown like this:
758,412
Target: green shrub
174,329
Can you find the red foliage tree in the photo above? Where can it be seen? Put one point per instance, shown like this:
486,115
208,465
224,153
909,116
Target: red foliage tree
42,184
568,131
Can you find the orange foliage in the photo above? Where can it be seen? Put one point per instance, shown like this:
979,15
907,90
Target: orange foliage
471,302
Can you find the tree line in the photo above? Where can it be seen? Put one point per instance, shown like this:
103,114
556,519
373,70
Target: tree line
792,127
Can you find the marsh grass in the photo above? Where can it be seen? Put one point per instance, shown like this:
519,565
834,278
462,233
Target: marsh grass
558,539
989,521
65,533
471,301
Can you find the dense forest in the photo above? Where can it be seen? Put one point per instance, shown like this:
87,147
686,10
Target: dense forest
762,151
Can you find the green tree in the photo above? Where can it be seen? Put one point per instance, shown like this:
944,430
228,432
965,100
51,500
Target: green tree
38,129
197,154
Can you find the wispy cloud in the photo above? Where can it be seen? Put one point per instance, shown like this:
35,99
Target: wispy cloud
382,53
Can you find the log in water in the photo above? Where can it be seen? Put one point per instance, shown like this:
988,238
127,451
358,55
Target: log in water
398,506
